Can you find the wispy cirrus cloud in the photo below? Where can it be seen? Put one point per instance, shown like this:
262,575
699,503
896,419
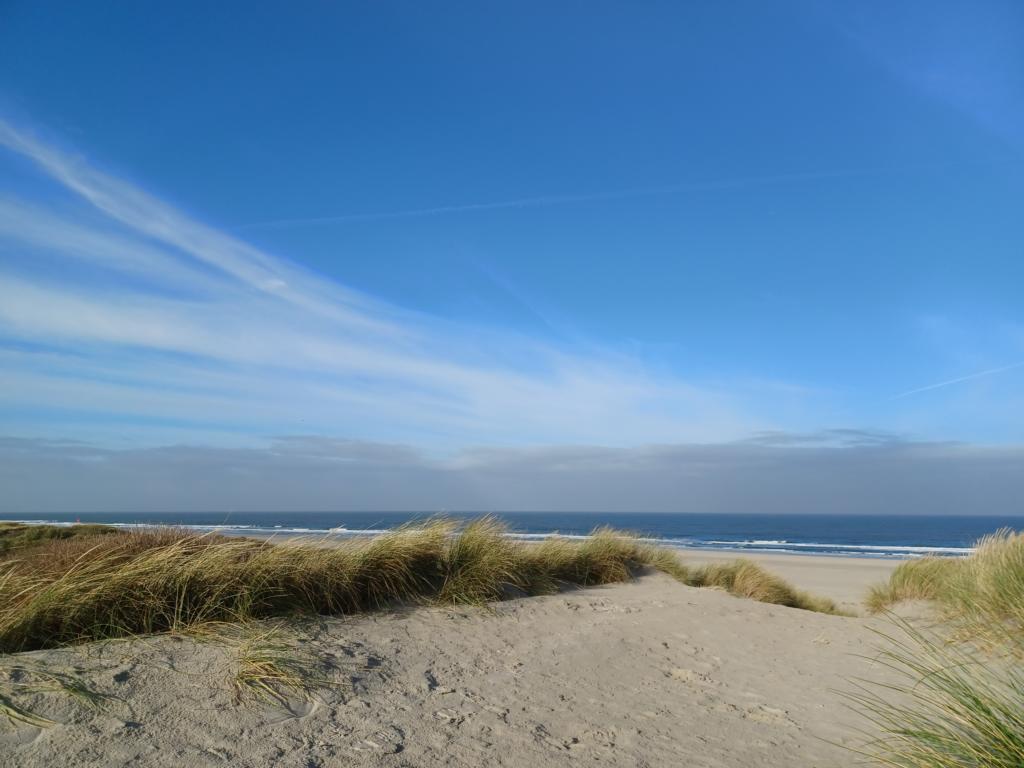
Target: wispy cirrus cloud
744,182
968,56
119,309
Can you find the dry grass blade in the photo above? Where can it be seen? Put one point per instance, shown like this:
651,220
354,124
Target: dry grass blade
26,679
270,668
16,715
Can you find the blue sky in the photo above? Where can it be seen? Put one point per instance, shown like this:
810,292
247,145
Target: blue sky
461,226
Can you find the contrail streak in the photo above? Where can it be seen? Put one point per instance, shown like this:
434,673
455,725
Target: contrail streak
534,202
969,377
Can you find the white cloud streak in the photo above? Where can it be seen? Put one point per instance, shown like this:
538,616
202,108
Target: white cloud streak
124,308
548,200
959,380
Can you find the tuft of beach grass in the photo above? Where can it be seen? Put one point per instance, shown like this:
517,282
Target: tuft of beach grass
15,536
171,580
923,579
747,579
979,592
269,667
946,704
959,702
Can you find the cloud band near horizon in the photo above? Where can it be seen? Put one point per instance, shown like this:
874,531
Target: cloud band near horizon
838,472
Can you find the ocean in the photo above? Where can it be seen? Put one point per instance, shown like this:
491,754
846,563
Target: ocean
837,535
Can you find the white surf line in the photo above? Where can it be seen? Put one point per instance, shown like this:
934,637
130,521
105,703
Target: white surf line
757,546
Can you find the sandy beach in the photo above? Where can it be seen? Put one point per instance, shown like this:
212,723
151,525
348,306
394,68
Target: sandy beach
647,673
472,385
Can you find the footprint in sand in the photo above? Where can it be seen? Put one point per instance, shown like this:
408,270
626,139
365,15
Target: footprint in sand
542,735
22,735
449,716
387,741
603,739
293,709
690,676
759,713
501,712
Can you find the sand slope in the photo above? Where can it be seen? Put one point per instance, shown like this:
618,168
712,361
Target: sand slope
650,673
844,579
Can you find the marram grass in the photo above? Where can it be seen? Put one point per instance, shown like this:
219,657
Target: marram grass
959,699
14,536
982,591
946,705
746,579
923,579
162,580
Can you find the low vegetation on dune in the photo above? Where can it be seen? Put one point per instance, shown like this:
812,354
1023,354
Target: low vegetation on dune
945,704
746,579
268,665
923,579
158,580
960,701
14,536
979,592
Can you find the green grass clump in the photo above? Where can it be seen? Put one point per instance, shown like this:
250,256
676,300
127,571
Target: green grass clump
747,579
945,705
960,699
479,565
925,579
15,536
988,587
982,591
167,579
605,557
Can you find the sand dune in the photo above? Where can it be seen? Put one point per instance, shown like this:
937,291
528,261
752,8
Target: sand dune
649,673
844,579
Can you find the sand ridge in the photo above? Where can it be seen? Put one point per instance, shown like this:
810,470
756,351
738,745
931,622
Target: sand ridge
649,673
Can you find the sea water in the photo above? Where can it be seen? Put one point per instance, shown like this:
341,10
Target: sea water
838,535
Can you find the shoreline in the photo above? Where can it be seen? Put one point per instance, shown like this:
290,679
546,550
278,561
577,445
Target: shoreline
739,548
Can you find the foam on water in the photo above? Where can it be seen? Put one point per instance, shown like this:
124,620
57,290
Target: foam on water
837,549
